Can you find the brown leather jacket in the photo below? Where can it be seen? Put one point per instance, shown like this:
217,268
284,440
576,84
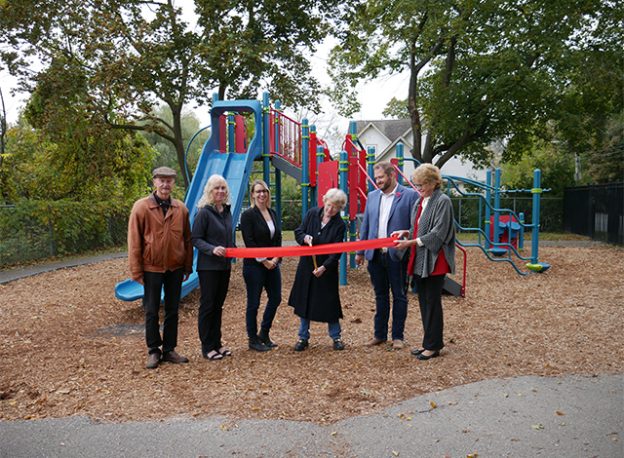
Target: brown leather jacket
157,243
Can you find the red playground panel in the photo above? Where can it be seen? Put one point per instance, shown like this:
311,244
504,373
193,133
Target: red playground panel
327,178
507,225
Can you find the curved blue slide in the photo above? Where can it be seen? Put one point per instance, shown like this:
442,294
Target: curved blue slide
234,167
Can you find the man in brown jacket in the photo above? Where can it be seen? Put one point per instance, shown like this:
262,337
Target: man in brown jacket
160,254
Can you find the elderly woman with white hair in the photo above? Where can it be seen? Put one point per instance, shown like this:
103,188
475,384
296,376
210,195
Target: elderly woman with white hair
314,294
431,241
211,234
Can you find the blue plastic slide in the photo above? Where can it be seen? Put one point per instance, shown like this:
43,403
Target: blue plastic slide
235,167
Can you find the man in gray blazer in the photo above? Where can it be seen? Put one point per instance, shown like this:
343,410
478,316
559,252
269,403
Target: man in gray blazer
387,210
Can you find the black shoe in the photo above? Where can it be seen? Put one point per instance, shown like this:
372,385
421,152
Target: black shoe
417,351
255,344
424,357
265,339
339,344
301,345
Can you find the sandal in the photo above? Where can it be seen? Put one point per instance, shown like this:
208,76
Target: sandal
213,355
223,351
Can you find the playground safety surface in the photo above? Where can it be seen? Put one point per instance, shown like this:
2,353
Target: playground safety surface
70,348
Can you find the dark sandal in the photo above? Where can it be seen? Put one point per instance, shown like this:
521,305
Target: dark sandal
213,355
223,351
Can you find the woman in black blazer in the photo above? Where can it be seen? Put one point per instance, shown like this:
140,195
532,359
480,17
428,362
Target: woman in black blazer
261,228
211,234
314,293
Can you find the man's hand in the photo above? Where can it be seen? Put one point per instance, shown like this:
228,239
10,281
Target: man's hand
219,251
359,259
307,239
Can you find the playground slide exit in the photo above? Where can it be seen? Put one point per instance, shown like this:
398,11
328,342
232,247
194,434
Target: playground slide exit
234,167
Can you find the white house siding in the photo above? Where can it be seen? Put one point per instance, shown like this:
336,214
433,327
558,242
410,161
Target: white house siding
385,149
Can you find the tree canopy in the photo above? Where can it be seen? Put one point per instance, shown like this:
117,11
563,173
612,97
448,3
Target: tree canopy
486,70
134,55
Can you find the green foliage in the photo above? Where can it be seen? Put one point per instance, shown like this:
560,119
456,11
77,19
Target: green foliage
557,169
481,71
75,161
34,229
134,57
396,109
605,163
165,153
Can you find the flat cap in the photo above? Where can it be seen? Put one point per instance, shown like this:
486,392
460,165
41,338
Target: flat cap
164,172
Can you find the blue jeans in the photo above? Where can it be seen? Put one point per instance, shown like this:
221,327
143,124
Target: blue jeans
388,275
258,277
332,328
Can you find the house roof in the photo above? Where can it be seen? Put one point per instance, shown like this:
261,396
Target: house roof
391,128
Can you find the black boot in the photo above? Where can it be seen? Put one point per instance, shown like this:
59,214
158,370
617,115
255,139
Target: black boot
265,339
255,344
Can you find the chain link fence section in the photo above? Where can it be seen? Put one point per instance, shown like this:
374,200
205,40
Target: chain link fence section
35,230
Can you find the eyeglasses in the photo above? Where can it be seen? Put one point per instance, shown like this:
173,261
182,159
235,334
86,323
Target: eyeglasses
261,191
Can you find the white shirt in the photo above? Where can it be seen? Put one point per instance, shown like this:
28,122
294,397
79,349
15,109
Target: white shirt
385,204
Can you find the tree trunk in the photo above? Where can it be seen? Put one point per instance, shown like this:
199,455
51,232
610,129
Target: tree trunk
176,111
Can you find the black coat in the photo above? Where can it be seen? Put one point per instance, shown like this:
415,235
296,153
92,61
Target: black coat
210,230
256,232
318,299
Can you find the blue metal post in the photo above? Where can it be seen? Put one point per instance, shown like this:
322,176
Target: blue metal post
343,170
370,165
276,148
488,200
497,184
400,160
305,173
231,147
536,191
521,232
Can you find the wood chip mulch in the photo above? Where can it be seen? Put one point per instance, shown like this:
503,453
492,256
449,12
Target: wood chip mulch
68,347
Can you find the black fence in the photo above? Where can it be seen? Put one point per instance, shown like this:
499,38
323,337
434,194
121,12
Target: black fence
596,211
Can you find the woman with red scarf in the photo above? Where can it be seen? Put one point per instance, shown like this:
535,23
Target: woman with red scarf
431,241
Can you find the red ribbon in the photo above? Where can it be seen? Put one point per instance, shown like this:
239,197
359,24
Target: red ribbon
328,248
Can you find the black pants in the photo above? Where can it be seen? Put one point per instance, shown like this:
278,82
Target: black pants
430,300
214,286
257,278
153,284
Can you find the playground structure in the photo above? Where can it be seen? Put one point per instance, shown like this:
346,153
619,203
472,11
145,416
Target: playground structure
284,145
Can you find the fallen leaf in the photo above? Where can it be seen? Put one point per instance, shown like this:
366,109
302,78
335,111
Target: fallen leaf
559,412
433,404
537,426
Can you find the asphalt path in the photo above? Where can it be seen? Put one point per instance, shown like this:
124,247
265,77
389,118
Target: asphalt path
572,416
